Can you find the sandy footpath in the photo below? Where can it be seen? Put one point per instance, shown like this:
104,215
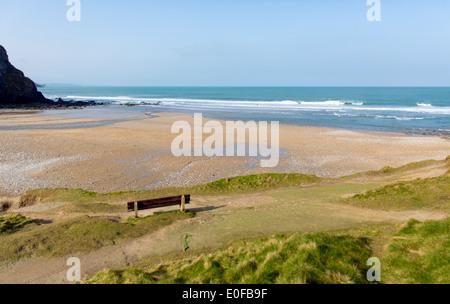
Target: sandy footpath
38,150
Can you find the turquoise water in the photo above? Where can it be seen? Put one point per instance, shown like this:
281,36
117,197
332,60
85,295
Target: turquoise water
417,110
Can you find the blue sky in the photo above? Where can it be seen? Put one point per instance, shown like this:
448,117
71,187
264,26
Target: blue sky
230,42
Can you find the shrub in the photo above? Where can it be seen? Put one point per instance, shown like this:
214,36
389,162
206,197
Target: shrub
13,223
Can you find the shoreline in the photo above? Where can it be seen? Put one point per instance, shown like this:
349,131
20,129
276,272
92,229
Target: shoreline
153,114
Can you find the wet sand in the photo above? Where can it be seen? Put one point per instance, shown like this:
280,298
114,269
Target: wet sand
131,151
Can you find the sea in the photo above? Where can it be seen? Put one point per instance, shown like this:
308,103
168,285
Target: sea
416,110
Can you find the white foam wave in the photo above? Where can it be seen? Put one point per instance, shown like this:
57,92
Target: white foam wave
329,105
423,110
399,118
381,116
323,103
424,104
291,102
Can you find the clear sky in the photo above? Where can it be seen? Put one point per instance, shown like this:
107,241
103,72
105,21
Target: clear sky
230,42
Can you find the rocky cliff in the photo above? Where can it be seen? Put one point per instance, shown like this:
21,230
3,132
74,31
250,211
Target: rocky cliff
15,88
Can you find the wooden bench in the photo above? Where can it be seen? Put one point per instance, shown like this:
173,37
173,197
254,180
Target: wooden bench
181,200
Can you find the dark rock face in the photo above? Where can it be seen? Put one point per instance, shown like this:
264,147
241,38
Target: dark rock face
15,88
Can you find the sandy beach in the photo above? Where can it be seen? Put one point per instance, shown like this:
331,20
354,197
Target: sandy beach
54,149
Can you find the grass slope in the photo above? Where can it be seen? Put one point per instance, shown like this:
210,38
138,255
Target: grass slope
419,253
413,252
77,235
430,193
87,208
387,169
308,258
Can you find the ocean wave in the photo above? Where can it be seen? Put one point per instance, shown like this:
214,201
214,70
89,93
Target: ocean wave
424,104
291,102
127,99
381,116
349,115
323,103
423,110
328,105
233,102
398,118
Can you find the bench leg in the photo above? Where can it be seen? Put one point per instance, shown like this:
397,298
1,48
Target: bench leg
183,204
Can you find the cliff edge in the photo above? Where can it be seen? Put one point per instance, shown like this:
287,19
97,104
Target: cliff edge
15,88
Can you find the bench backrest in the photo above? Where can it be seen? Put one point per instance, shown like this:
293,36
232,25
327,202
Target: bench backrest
159,202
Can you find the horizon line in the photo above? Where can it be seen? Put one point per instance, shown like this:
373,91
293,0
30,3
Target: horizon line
248,86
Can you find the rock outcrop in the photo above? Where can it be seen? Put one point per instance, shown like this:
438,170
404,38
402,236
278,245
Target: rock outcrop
15,88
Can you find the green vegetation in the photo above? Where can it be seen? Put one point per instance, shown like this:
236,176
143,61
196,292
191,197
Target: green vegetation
327,192
86,208
308,258
159,220
430,193
80,234
13,223
186,240
256,182
410,166
387,169
419,253
413,252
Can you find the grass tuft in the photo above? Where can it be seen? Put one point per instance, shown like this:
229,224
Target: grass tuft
13,223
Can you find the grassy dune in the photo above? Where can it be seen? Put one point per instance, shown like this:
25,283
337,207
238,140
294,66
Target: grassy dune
430,193
389,170
256,182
